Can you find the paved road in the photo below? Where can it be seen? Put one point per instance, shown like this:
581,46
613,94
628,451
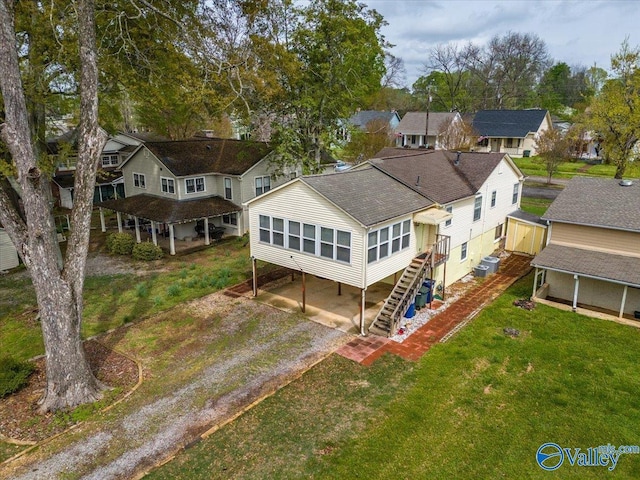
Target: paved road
541,191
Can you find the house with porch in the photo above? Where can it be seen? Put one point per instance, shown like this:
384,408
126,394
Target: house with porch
422,129
188,189
403,218
591,262
510,131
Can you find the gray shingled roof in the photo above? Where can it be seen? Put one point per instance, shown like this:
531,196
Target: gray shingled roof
434,173
209,155
599,202
363,117
367,194
508,123
527,217
617,268
167,210
415,123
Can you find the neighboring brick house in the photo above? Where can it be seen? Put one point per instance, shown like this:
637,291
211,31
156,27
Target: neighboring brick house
510,131
592,258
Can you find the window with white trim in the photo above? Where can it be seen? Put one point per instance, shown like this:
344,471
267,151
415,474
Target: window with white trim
263,185
463,251
230,219
167,185
477,208
449,209
194,185
110,160
139,180
228,194
494,194
516,191
325,242
388,240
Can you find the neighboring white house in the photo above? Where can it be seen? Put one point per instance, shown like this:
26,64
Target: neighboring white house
367,225
8,253
190,187
412,132
510,131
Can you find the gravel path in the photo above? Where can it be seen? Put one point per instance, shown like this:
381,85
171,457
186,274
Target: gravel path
278,349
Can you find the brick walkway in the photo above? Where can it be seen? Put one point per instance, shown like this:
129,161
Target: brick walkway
366,350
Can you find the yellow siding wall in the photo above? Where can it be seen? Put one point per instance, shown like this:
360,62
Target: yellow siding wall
595,238
525,237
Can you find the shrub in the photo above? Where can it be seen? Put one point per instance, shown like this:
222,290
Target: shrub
13,375
142,291
146,251
120,243
173,290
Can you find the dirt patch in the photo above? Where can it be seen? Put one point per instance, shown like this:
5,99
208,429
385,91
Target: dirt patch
19,418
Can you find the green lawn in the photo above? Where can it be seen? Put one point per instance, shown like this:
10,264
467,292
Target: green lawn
478,406
534,166
537,206
113,300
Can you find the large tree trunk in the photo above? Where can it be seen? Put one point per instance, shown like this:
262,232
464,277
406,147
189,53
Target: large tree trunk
70,381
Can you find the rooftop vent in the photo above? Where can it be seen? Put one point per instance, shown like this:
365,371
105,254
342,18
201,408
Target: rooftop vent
457,158
208,147
625,183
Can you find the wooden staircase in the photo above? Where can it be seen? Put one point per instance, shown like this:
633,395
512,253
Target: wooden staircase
404,292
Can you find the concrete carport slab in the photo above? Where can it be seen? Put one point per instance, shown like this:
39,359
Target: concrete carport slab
323,303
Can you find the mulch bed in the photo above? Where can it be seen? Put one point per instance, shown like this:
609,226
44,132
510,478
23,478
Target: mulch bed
19,417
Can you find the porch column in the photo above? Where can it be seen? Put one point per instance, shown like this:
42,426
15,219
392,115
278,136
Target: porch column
119,217
575,292
154,236
304,293
103,226
207,241
339,288
624,300
254,270
135,220
362,304
535,283
172,242
68,222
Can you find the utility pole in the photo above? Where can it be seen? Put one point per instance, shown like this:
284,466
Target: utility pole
426,130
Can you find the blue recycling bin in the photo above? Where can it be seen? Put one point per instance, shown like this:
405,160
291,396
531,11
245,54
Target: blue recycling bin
411,311
427,290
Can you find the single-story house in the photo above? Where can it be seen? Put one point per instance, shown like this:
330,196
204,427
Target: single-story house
422,129
510,131
592,258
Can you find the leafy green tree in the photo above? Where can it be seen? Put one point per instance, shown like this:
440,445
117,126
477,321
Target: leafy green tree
615,112
553,149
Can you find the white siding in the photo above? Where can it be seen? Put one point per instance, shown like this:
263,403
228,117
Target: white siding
376,271
8,253
287,203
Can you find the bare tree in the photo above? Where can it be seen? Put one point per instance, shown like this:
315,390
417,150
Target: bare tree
553,149
58,286
395,75
449,60
456,134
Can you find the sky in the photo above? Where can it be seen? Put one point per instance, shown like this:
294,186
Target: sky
577,32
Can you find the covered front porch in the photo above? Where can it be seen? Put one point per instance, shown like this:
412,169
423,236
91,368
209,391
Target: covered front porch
164,220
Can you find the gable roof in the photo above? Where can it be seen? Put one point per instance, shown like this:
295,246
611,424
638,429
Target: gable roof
363,117
433,173
208,155
415,123
508,123
600,202
368,195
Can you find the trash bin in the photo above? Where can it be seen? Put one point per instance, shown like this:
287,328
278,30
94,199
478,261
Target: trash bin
526,153
492,262
420,299
411,311
427,290
480,271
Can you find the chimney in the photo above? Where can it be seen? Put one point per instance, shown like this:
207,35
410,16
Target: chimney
457,161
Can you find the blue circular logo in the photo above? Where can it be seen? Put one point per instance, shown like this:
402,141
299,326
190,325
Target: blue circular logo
549,456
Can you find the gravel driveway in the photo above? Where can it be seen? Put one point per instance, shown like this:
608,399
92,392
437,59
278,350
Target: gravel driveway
265,350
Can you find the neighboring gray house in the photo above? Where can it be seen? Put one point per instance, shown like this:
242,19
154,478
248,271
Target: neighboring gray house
411,132
592,257
188,188
363,118
510,131
8,253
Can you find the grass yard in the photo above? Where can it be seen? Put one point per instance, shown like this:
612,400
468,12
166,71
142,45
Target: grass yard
536,206
534,166
478,406
114,300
